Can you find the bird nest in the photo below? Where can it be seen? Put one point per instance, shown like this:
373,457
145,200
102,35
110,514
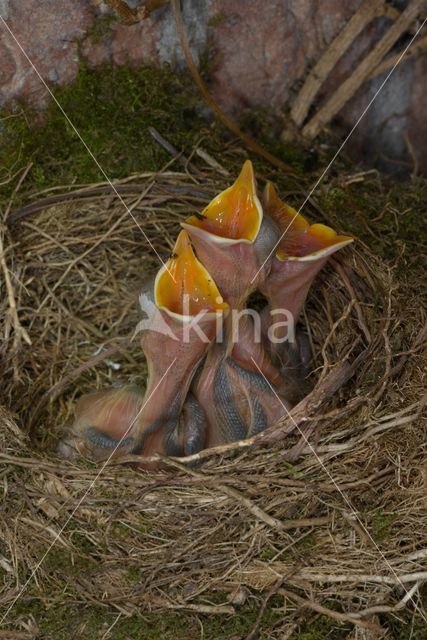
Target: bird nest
322,514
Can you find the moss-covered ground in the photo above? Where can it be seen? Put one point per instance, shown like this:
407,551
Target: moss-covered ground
112,110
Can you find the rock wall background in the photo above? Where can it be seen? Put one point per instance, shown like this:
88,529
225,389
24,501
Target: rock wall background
257,55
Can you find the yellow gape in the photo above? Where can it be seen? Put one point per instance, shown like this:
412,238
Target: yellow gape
300,238
184,287
236,212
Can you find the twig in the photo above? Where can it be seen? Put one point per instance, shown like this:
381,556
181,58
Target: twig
254,631
309,405
259,513
59,387
363,577
20,332
202,153
388,63
105,190
204,608
348,88
340,269
131,16
413,154
226,121
16,189
178,155
336,615
363,16
387,608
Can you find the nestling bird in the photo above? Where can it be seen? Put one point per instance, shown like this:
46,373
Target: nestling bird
102,424
232,238
212,378
302,251
165,419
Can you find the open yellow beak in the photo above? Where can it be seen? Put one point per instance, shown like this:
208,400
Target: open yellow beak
301,240
183,287
235,215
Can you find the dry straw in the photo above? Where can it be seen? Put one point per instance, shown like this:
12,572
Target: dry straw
247,521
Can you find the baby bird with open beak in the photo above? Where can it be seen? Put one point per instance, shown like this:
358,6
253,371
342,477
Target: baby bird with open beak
233,239
303,250
167,419
186,310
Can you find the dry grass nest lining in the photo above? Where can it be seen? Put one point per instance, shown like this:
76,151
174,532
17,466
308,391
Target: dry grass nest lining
337,526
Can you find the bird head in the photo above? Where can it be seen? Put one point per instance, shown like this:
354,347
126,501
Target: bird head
231,235
183,286
300,241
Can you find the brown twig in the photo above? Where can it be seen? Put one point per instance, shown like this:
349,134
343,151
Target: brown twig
16,189
418,46
336,615
226,121
208,609
131,16
253,634
92,192
309,405
349,87
362,323
20,333
248,504
165,144
60,386
369,10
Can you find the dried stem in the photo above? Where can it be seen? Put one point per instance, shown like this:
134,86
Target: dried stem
226,121
349,87
369,10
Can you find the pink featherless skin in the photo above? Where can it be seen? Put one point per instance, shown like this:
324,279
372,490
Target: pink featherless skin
302,251
166,419
233,240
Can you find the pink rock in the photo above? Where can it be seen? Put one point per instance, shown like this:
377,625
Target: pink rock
48,31
263,49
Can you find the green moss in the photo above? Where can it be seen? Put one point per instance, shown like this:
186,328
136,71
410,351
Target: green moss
267,554
381,524
239,625
293,471
385,215
112,109
62,621
101,28
336,196
322,627
217,19
62,562
403,624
